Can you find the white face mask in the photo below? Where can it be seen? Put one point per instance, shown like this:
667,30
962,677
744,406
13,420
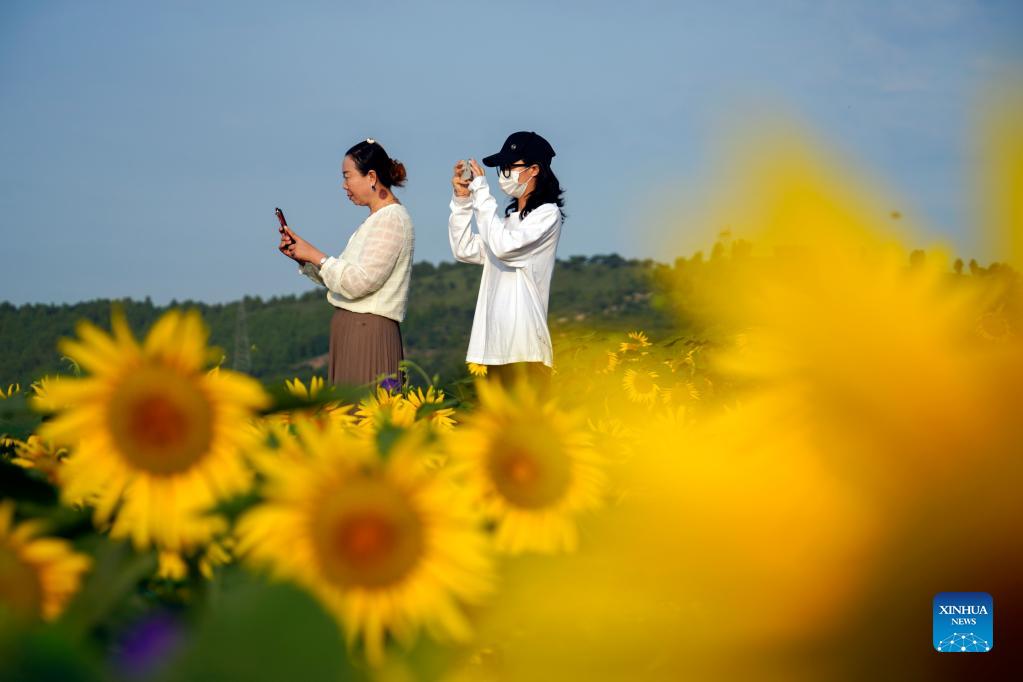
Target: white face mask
511,186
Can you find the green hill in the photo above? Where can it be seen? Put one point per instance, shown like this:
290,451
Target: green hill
287,336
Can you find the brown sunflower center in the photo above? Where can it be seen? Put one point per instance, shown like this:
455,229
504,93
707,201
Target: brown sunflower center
529,476
369,535
643,383
20,590
994,327
161,421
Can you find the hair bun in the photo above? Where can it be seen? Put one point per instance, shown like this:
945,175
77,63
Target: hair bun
397,173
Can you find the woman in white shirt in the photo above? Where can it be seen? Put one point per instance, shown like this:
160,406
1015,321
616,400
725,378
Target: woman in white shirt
517,251
368,282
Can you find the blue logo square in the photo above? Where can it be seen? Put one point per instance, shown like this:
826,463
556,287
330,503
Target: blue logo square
963,622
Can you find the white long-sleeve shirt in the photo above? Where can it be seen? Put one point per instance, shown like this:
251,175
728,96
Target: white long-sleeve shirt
518,256
372,274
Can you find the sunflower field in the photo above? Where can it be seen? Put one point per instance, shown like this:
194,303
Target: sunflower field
778,499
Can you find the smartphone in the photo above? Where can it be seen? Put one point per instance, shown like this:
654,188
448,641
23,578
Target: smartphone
284,223
466,171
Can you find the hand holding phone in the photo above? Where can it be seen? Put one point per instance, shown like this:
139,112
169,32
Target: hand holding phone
283,227
287,244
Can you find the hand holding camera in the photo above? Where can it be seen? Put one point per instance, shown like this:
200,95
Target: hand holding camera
465,171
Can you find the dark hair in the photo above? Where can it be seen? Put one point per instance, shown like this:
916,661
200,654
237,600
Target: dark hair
547,190
368,156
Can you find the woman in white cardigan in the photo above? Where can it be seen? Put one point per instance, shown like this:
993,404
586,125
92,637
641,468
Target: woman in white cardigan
368,282
517,251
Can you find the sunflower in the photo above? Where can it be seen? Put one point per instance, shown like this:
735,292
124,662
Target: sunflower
386,545
298,389
683,361
12,390
155,440
334,411
217,554
441,419
612,362
41,455
40,399
681,392
531,467
674,416
477,370
171,566
613,438
383,407
641,386
639,340
611,426
994,325
37,575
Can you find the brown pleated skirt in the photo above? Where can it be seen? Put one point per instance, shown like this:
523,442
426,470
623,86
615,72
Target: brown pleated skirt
363,348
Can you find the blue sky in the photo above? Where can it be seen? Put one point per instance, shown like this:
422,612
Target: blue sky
145,144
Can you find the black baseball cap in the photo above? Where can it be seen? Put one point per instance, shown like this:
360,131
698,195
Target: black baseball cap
527,146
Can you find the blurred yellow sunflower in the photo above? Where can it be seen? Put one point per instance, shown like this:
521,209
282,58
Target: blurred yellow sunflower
441,419
12,390
155,440
388,546
38,575
297,388
994,325
216,554
639,340
641,386
383,407
334,411
614,439
40,399
530,465
612,362
680,392
477,370
610,427
41,455
682,361
172,565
